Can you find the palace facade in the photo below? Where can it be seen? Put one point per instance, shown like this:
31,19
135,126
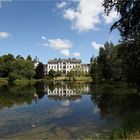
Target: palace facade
66,65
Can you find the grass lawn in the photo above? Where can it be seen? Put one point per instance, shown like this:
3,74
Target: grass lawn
3,81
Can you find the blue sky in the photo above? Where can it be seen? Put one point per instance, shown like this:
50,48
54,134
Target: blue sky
55,28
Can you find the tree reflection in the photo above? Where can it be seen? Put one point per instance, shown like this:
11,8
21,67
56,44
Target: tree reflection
20,94
10,95
118,101
40,89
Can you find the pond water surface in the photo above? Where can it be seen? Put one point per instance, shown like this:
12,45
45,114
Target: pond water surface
60,111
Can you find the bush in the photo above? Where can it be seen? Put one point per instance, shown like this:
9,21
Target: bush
12,77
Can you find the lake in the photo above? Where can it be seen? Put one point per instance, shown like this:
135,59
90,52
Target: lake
64,110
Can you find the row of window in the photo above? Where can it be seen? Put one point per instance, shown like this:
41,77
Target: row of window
60,67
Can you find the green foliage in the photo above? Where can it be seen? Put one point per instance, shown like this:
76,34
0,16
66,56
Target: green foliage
104,60
130,130
71,75
129,22
6,64
58,73
107,66
119,101
116,64
129,27
39,71
78,71
29,68
12,77
11,95
16,68
19,57
130,55
29,58
95,71
52,74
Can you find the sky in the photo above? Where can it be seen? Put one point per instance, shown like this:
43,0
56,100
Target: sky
52,29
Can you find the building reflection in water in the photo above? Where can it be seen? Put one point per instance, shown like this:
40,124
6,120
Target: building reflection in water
65,92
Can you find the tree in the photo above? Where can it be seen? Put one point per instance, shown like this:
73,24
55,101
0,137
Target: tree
129,27
39,71
19,57
108,65
29,58
78,71
23,69
129,22
116,64
6,64
16,68
29,68
71,75
104,60
95,71
12,77
52,74
130,56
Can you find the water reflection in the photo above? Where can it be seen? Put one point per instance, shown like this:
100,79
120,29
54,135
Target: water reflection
21,94
18,95
64,110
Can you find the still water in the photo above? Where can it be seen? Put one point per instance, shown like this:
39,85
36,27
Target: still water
62,111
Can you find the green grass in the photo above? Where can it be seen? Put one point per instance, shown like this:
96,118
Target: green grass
80,79
3,81
24,81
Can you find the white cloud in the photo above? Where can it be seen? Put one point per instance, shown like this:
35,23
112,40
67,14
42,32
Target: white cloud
77,101
61,5
65,103
96,45
70,14
43,38
76,54
59,44
112,17
65,52
60,111
4,35
87,15
63,45
96,110
1,1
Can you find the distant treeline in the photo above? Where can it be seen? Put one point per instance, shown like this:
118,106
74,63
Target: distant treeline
112,64
16,68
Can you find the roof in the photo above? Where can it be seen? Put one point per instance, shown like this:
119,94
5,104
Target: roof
73,60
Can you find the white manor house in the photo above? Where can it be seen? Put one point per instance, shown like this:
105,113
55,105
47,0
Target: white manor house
66,65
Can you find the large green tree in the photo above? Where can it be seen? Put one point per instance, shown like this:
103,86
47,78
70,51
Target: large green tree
129,22
29,58
39,71
108,65
6,64
52,74
104,60
95,71
129,27
22,69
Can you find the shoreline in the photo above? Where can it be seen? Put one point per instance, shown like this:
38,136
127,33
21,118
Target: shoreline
4,81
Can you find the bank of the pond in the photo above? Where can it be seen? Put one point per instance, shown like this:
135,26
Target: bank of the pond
4,81
78,79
